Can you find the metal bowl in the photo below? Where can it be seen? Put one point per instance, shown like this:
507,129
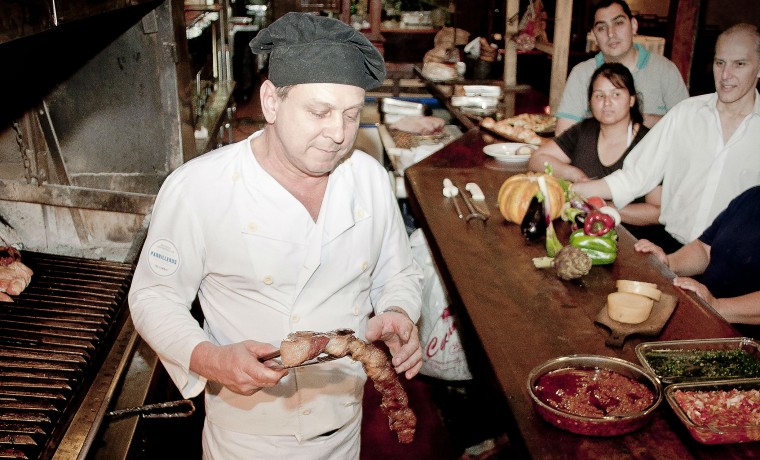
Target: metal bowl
609,425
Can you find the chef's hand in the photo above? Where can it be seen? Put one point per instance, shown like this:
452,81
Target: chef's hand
400,334
647,247
237,366
690,284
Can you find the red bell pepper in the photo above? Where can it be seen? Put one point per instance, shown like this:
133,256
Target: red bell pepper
598,223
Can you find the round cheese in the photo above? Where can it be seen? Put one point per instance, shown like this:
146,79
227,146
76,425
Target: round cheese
625,307
639,287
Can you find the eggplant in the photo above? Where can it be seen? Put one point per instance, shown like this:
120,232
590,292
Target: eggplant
533,226
580,220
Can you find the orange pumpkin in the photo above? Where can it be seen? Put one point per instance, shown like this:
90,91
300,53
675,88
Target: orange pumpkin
517,192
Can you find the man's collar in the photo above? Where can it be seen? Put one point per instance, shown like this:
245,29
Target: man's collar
641,61
712,102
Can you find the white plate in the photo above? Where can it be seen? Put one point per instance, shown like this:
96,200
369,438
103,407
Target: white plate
506,152
481,102
482,90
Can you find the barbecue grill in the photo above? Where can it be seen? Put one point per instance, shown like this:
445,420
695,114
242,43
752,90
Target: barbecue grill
97,111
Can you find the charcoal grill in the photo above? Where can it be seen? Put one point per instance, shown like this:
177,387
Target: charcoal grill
52,338
97,111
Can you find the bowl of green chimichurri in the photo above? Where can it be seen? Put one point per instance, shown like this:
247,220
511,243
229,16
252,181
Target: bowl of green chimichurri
701,360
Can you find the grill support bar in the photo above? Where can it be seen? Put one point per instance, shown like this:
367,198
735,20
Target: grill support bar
78,439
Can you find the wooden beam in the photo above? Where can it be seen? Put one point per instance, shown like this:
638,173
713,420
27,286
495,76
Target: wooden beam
684,34
375,16
345,11
512,9
562,20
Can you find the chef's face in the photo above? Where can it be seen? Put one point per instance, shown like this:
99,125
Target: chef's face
736,67
316,124
610,104
614,32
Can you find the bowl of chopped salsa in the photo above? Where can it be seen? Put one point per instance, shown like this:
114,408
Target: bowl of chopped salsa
721,412
594,395
701,360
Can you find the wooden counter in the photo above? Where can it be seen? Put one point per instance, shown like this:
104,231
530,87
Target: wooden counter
514,317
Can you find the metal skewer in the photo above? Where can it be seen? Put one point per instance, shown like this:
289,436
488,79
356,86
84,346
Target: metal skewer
450,191
474,213
183,408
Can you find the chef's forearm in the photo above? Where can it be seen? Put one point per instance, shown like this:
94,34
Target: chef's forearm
203,356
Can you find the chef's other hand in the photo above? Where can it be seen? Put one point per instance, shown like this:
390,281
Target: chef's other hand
647,247
690,284
236,366
400,334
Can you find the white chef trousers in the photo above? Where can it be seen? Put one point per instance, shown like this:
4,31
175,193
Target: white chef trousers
344,444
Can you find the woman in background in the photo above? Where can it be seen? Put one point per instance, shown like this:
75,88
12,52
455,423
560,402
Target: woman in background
598,146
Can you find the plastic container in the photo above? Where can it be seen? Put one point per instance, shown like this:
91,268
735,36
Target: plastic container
719,432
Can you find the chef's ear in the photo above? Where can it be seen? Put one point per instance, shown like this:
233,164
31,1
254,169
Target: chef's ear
269,100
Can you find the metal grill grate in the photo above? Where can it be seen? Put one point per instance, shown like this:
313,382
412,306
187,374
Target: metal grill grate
52,339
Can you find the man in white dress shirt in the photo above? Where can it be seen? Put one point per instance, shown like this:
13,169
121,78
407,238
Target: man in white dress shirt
289,230
705,151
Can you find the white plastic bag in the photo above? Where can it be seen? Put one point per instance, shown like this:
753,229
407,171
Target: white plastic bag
442,353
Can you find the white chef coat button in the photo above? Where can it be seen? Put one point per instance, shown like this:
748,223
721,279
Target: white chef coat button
267,280
295,318
365,266
306,412
360,214
251,227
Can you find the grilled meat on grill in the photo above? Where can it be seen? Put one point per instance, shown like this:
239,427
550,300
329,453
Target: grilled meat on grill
14,275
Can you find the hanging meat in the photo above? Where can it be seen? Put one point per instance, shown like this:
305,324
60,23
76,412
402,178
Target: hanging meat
14,275
302,346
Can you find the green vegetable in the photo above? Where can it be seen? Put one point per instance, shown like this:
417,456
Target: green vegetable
569,213
553,244
703,363
602,249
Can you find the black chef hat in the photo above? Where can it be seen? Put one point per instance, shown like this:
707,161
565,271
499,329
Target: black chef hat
305,48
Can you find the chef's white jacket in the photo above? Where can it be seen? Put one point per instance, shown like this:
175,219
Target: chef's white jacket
224,229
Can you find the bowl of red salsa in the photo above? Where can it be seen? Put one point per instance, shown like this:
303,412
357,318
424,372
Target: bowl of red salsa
594,395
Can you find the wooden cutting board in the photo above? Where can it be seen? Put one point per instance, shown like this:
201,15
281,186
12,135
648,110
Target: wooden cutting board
653,325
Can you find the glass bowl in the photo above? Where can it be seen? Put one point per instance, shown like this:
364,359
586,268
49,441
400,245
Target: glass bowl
699,360
602,425
720,405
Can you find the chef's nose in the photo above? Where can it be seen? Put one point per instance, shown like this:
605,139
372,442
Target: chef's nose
335,129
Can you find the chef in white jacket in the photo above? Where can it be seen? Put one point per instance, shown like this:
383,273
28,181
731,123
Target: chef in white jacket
289,230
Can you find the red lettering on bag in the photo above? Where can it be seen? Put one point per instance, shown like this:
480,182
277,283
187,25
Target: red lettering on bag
433,346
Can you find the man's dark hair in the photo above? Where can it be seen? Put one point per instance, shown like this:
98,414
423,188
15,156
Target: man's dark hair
607,3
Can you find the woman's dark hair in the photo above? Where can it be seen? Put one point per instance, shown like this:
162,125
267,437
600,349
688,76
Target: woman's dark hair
620,77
